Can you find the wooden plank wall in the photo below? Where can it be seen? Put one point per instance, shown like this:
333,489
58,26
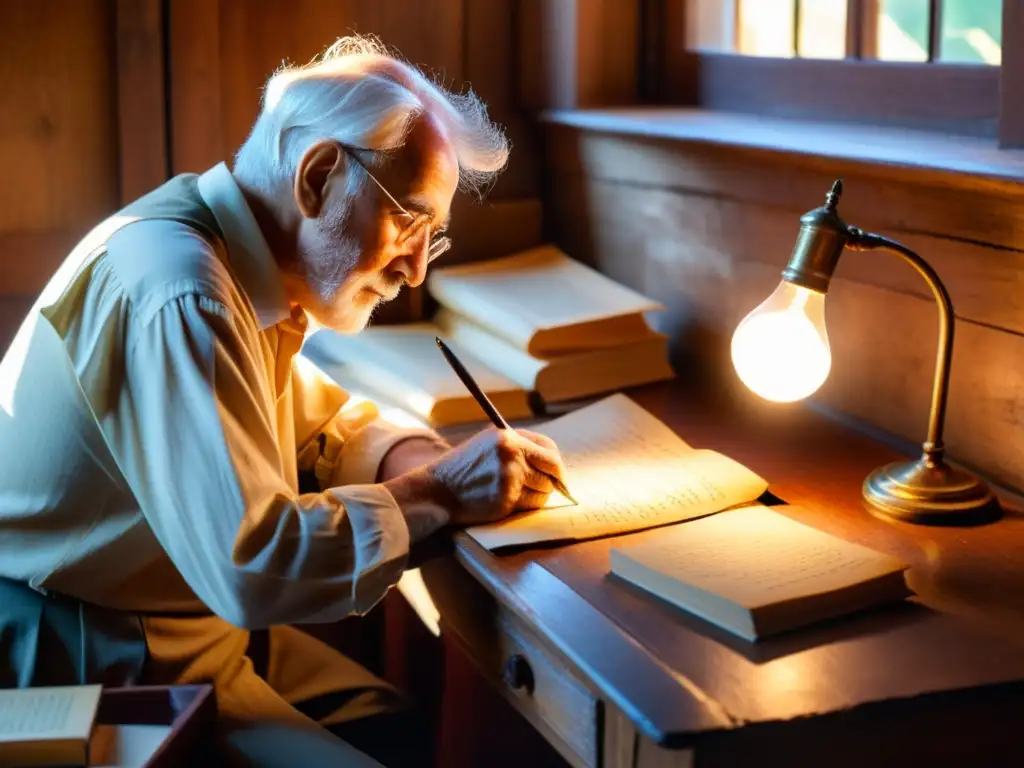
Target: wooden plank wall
58,139
707,231
104,99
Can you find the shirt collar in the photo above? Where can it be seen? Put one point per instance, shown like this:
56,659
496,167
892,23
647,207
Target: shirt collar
248,251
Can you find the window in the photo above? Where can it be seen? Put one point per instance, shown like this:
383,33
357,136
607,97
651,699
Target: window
925,64
943,31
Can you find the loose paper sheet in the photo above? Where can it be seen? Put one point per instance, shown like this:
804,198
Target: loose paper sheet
628,471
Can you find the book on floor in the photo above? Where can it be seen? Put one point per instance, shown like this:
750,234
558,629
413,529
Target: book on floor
566,377
544,302
755,572
628,471
47,725
402,366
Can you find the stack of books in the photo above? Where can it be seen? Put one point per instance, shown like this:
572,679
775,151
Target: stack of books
536,328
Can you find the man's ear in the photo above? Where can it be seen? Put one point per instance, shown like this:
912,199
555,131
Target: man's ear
322,161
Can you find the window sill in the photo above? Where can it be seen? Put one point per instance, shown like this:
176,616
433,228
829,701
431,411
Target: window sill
957,160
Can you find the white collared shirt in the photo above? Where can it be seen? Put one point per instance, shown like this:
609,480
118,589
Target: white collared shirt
153,421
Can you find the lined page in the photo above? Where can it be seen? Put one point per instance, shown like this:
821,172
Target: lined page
628,471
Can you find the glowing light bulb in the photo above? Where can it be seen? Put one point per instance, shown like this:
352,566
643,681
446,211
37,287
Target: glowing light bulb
780,350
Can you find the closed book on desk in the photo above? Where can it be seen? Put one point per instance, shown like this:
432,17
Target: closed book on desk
566,377
543,302
402,366
756,572
47,725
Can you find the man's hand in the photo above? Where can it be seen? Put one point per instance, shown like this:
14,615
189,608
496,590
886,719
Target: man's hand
496,473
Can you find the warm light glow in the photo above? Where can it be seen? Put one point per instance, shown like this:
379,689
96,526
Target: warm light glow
17,352
399,417
822,33
766,28
987,49
780,350
415,592
898,44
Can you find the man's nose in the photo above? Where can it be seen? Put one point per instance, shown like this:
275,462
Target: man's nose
413,264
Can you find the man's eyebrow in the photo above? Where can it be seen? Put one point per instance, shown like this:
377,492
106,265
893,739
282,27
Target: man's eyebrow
418,205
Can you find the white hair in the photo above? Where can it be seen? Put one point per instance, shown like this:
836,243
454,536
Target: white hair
364,96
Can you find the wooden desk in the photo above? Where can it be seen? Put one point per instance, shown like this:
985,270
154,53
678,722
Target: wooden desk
611,677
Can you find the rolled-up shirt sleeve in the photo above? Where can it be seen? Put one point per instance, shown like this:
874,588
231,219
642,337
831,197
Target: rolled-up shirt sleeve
342,442
193,435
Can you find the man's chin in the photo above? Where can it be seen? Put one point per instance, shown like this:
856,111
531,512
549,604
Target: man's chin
357,314
351,322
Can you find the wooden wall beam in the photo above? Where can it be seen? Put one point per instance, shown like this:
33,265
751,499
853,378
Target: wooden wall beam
1011,76
961,99
141,97
197,139
879,197
489,67
579,53
29,258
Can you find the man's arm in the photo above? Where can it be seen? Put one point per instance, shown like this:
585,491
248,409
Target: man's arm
192,432
353,445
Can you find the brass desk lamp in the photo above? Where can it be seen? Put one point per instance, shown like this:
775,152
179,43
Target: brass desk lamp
781,352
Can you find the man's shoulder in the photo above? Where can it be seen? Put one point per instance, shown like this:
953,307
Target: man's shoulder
157,260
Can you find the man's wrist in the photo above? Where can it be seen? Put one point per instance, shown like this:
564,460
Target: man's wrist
423,499
407,455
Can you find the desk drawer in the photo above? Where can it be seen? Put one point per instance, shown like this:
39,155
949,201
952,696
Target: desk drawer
548,695
513,658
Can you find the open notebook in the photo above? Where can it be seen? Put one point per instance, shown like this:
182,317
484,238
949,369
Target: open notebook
402,366
543,302
567,377
628,471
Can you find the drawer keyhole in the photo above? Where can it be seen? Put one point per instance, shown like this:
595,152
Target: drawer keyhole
517,673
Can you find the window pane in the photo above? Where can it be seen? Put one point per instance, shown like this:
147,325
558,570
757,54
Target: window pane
766,27
822,29
710,25
903,30
972,31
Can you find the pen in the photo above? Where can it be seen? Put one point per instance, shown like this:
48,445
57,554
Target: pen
492,413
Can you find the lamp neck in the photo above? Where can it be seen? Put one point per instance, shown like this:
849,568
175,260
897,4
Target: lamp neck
934,449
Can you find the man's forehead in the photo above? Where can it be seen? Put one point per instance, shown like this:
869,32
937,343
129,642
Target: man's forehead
425,171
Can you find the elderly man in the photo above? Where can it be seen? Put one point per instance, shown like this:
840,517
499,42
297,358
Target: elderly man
154,423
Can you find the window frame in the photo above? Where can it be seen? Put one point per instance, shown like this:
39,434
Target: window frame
962,99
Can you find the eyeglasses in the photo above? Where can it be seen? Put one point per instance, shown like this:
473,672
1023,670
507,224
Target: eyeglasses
417,222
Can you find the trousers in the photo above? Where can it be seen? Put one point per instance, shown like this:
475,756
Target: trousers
280,715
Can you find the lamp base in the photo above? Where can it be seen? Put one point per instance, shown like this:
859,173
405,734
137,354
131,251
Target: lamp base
931,494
